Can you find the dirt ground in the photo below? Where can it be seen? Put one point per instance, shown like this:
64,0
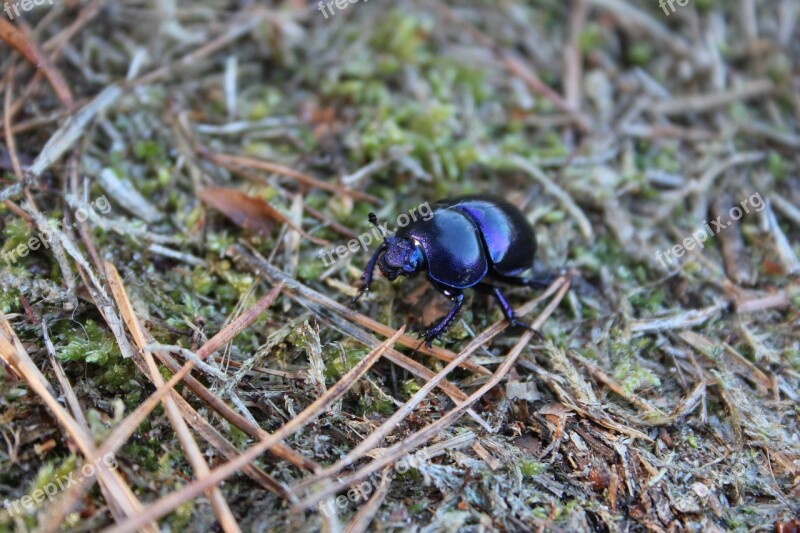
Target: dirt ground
185,196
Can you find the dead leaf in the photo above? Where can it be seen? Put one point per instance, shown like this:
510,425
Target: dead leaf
516,390
249,212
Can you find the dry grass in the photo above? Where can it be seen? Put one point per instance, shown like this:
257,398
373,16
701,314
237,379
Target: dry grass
188,162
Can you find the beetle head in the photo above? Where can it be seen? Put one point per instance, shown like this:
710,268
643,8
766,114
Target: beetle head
402,257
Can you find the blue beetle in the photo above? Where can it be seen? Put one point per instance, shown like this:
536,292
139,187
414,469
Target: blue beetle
466,241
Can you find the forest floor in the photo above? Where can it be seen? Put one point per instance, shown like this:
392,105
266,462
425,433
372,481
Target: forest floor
184,184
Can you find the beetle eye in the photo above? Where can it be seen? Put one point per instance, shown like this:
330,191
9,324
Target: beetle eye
413,260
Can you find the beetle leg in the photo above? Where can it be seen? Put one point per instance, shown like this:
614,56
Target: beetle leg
434,332
368,272
508,311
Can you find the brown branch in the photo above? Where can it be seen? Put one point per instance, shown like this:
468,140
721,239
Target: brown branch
371,441
123,502
189,445
195,488
33,54
231,161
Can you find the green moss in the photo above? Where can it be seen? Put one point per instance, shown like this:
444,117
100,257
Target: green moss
239,282
648,302
779,67
182,516
665,159
556,215
553,146
238,437
704,5
202,281
626,368
411,387
145,451
149,150
531,468
590,38
90,344
310,269
640,53
336,367
792,356
120,377
417,506
218,243
777,165
541,512
262,103
739,112
402,36
16,233
52,476
378,401
9,300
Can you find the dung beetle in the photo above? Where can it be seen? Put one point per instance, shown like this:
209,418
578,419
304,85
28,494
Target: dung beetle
467,241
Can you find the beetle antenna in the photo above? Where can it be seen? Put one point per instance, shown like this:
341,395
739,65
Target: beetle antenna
373,219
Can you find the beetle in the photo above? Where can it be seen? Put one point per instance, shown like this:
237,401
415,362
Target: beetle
467,241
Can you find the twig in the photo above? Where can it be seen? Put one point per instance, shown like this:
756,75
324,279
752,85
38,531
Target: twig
113,442
682,320
416,439
263,267
612,384
281,450
388,426
754,305
123,502
783,247
243,23
217,341
366,514
33,54
195,488
72,130
560,194
702,103
573,64
189,445
687,405
514,64
126,195
789,210
267,166
734,255
741,365
8,115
